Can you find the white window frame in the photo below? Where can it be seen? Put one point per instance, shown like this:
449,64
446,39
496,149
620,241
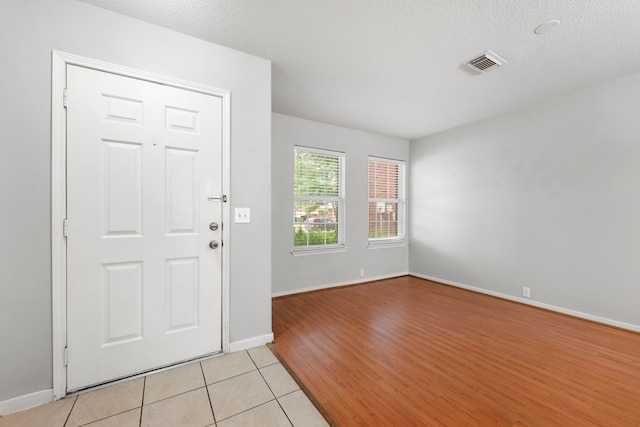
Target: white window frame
401,237
340,200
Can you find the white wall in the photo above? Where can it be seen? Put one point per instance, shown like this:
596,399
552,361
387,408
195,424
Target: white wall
547,197
297,273
29,31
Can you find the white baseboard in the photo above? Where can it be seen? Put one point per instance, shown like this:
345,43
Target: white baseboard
27,401
250,343
570,312
335,285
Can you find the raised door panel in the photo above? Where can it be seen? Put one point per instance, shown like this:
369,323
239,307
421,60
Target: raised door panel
122,188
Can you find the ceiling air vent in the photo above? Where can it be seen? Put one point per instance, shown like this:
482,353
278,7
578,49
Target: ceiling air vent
486,61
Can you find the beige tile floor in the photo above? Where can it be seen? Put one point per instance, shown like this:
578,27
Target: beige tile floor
247,388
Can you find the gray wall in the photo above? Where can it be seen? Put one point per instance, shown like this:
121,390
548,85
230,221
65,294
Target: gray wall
296,273
546,197
29,30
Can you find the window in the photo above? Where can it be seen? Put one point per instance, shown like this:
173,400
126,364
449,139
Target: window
318,199
386,201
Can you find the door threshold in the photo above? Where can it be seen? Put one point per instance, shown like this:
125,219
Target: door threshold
71,393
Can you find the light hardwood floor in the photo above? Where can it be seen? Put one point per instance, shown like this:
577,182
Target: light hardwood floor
407,351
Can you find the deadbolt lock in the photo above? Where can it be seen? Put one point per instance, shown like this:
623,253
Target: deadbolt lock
213,226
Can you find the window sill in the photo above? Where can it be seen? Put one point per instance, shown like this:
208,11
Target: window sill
381,244
319,251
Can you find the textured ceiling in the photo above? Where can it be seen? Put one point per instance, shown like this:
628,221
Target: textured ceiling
393,67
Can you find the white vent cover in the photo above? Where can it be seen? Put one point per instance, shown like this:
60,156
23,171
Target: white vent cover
486,61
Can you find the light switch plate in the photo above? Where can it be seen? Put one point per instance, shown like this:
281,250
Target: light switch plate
242,215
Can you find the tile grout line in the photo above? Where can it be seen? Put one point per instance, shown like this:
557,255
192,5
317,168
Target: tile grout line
206,387
249,409
170,397
116,414
69,414
263,379
256,364
314,401
233,376
284,412
291,392
252,361
144,389
271,390
266,382
110,416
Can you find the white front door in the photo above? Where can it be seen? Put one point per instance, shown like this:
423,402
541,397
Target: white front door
143,284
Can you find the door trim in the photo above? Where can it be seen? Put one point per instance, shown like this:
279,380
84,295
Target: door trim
59,62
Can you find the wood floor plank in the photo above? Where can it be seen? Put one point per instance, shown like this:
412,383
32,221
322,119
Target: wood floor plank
408,351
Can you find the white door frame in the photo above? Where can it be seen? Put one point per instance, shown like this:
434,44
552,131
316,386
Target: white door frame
59,62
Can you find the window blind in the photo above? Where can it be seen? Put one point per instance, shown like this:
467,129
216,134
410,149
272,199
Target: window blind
387,216
318,198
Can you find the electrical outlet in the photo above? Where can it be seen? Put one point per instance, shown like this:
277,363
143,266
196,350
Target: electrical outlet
362,272
526,292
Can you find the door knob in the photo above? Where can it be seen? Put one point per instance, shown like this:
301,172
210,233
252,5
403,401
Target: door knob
214,244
